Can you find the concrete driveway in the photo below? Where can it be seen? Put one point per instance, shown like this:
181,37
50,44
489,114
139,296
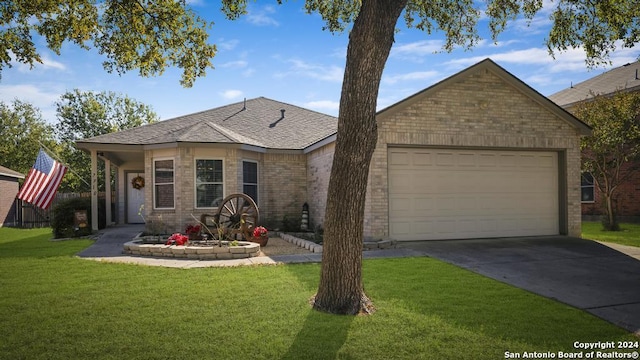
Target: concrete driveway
582,273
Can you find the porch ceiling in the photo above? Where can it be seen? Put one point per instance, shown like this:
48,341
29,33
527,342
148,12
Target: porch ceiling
118,154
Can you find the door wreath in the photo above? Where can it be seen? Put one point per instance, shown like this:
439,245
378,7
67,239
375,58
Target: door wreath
137,182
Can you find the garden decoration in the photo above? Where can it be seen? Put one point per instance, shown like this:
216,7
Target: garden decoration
137,182
236,219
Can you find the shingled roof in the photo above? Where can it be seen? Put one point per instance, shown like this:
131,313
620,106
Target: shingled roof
258,122
626,77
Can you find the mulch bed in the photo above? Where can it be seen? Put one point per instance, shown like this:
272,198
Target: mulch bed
277,246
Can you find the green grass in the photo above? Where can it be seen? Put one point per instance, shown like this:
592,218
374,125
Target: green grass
629,234
56,306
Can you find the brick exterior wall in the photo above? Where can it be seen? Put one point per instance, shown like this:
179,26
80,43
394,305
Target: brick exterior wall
626,201
481,111
283,187
8,189
282,184
319,164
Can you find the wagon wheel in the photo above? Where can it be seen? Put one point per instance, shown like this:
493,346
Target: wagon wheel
238,215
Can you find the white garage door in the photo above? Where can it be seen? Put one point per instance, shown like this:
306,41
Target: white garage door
460,194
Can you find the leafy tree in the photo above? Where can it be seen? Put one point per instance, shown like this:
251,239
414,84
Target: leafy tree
132,34
22,131
87,114
595,25
612,151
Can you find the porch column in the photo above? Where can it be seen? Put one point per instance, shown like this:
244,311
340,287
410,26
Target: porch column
94,190
107,190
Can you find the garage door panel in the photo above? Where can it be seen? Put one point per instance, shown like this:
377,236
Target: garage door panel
399,158
449,194
422,159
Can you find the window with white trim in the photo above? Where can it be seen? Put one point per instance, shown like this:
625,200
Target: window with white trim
250,179
163,184
209,183
587,188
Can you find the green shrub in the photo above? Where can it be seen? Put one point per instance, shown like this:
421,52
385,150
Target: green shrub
63,215
291,223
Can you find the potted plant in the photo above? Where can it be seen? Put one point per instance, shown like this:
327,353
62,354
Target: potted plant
260,236
193,232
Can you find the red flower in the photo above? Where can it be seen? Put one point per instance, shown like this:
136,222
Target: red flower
177,239
259,231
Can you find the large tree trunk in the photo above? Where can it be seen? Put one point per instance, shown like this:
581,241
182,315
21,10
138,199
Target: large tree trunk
341,290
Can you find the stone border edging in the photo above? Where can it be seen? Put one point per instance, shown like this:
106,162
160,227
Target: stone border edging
136,248
309,245
316,248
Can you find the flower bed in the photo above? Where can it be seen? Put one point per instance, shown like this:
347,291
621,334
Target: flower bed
242,250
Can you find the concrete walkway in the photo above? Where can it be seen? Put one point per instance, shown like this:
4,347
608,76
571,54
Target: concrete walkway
109,245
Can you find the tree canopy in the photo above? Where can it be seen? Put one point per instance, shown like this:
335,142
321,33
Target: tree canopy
145,35
85,114
611,152
23,131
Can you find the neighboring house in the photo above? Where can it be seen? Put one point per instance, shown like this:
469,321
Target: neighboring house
8,190
623,78
479,154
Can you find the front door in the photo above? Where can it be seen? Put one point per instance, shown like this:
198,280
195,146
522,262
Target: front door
135,199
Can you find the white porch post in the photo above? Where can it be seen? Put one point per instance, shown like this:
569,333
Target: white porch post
107,190
94,190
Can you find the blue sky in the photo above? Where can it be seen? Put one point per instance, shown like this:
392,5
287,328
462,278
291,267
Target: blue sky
282,53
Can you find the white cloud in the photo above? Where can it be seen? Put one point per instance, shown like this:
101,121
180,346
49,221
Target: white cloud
412,76
248,72
498,44
539,24
323,105
262,16
231,94
329,73
47,64
526,56
227,44
572,60
416,50
42,97
237,64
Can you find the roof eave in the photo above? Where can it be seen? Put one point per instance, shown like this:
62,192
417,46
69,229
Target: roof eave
318,144
16,176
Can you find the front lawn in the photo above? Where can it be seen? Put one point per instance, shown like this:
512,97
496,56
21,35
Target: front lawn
56,306
628,235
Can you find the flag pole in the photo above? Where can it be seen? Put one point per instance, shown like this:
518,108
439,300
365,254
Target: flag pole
53,155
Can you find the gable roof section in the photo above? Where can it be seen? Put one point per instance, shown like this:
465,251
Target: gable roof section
626,77
10,173
508,78
258,122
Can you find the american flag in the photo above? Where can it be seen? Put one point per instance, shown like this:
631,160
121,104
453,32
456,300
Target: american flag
42,181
